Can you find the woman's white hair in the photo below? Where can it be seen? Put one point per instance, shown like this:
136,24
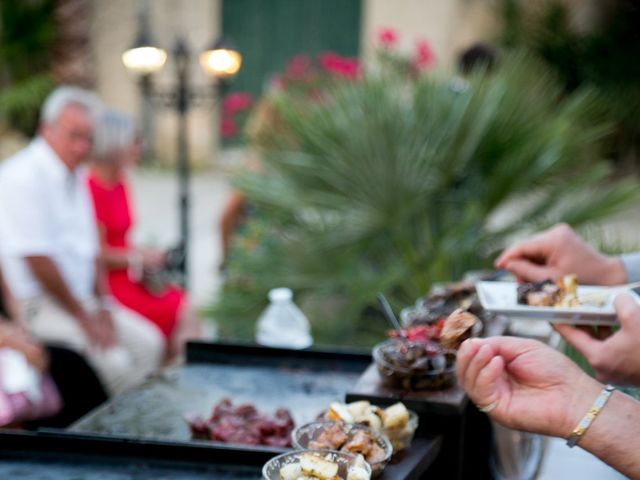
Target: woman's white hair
66,95
115,131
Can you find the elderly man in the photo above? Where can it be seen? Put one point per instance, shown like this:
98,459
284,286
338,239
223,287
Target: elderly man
49,248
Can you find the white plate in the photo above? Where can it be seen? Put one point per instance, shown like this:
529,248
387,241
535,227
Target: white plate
501,297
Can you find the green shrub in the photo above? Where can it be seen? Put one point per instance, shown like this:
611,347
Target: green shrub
27,31
604,57
387,183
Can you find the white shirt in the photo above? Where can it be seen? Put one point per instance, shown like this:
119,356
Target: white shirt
45,209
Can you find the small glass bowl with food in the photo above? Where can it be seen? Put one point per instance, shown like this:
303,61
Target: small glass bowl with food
395,421
345,437
317,465
408,365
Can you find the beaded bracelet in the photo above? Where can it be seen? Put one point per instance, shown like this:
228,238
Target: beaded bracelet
588,419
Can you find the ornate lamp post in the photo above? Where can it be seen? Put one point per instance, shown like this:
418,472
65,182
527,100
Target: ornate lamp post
222,62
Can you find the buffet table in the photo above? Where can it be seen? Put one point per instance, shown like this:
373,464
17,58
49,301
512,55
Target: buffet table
305,382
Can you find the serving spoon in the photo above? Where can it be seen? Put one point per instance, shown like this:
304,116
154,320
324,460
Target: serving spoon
389,315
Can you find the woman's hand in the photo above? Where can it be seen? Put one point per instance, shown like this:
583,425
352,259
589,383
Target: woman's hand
532,386
557,252
153,259
615,358
15,337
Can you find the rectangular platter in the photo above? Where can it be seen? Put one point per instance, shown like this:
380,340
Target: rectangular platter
500,298
304,381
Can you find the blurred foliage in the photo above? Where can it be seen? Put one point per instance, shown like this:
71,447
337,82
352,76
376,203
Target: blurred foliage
604,58
27,30
385,182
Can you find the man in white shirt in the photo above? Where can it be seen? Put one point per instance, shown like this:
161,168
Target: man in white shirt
49,248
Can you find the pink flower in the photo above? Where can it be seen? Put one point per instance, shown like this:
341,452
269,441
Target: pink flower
350,67
236,102
329,61
424,56
387,37
228,128
338,65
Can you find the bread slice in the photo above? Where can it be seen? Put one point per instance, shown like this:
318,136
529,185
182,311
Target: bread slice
317,466
395,416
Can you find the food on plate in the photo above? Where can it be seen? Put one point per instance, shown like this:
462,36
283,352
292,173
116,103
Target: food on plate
339,436
339,411
244,424
421,333
396,422
395,416
548,293
311,465
318,467
359,470
414,356
349,438
415,366
457,328
442,301
293,471
425,320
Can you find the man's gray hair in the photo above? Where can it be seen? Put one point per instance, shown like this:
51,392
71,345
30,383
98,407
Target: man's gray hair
64,96
115,131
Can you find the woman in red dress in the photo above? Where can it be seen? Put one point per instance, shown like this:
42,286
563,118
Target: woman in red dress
117,147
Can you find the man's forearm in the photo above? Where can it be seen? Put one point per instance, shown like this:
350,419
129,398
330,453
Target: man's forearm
100,286
9,302
614,436
47,273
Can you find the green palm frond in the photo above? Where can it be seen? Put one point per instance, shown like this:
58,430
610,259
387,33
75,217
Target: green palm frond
387,184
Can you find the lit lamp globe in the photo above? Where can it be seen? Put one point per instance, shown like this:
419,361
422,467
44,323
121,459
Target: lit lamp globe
222,60
144,59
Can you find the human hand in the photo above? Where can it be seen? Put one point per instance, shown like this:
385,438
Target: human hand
614,358
99,328
106,327
557,252
15,337
153,259
535,388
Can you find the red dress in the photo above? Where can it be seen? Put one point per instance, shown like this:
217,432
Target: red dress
114,218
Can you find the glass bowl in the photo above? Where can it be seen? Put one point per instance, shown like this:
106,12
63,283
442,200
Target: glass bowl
271,469
401,438
303,435
428,372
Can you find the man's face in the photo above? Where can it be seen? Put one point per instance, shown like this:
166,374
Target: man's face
70,135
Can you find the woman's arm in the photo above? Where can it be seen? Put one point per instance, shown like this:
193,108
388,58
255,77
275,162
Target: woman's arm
114,258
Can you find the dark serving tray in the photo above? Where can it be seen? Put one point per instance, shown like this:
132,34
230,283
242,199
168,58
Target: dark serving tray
304,381
54,456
